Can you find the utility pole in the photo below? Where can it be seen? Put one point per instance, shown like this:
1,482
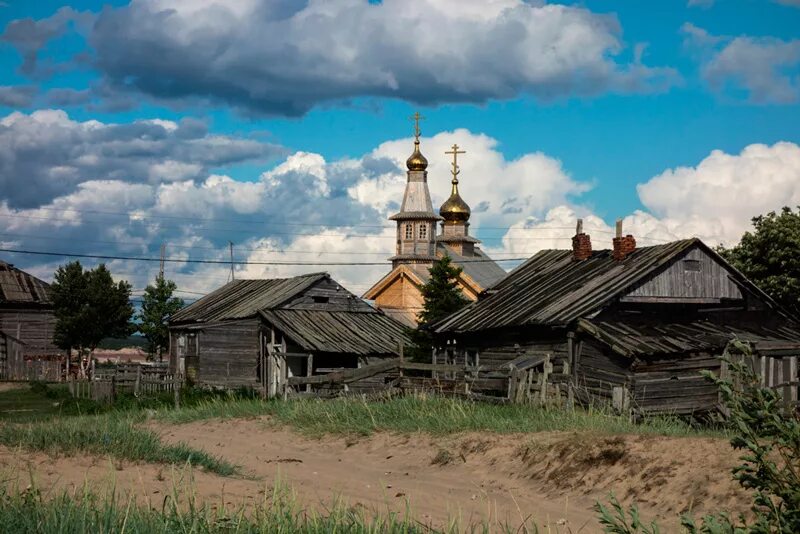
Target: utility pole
161,263
230,243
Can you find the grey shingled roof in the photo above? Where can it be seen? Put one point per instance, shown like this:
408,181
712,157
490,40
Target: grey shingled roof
17,286
336,331
552,289
635,338
480,268
244,298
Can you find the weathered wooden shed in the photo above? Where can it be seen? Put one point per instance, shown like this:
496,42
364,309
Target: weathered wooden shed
26,311
635,325
258,333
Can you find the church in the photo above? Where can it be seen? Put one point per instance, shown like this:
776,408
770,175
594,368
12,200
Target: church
418,245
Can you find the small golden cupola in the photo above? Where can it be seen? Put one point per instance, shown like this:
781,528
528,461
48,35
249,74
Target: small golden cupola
454,209
416,162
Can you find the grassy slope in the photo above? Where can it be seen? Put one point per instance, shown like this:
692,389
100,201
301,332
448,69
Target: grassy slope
434,415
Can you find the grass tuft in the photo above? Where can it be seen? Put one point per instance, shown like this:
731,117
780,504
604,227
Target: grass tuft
115,435
83,511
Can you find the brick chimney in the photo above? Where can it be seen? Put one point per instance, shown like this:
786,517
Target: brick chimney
622,245
581,244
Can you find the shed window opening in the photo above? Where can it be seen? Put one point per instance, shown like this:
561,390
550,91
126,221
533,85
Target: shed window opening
409,231
423,231
320,300
691,265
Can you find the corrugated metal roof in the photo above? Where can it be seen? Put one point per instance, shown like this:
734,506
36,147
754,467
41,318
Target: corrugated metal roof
552,289
632,338
336,331
20,287
244,298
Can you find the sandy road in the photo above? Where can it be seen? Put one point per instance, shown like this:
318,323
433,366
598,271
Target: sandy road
552,478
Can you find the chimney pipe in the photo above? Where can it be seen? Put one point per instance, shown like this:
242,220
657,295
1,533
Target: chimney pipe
622,245
581,244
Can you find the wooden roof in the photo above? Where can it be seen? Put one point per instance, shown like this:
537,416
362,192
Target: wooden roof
17,286
552,289
245,298
636,338
337,331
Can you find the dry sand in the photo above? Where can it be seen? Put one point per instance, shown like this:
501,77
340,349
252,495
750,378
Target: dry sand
554,478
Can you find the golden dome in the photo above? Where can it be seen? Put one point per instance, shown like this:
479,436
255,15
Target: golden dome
454,208
416,162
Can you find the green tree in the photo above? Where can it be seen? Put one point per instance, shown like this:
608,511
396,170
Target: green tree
441,293
89,306
442,297
158,305
770,256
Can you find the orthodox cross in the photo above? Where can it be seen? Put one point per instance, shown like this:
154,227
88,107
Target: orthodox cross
455,152
416,117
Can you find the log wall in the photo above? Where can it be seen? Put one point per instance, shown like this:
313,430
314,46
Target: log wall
598,371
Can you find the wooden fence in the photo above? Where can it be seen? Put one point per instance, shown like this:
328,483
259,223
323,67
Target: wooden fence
529,379
514,382
140,380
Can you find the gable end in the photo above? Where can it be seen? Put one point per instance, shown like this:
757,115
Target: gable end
693,277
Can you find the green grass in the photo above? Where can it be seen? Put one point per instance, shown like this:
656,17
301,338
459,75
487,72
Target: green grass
434,415
30,512
39,402
115,435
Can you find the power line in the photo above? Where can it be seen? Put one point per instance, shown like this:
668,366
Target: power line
213,262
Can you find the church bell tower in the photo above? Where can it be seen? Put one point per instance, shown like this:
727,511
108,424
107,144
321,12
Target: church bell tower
416,220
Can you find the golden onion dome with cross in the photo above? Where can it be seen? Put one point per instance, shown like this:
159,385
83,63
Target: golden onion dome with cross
416,162
454,208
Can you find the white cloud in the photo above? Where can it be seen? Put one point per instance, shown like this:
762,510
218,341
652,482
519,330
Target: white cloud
714,200
718,197
287,57
308,209
766,69
54,154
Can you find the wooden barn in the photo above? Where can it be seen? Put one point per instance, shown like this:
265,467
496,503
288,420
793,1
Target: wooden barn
26,311
630,325
258,333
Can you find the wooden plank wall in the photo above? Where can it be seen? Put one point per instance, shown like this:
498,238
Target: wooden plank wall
34,327
228,354
681,280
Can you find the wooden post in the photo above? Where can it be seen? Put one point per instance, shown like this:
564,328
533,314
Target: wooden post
402,358
137,384
788,403
309,370
547,368
176,389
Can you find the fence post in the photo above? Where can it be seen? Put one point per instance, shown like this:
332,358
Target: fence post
138,380
787,379
176,387
402,358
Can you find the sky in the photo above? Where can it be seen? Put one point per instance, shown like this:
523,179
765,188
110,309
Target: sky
278,130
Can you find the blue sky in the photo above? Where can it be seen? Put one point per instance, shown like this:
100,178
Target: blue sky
622,93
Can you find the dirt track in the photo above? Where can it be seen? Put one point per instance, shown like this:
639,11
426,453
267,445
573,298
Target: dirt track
554,477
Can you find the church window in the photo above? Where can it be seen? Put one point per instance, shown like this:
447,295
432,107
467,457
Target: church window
423,231
409,231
